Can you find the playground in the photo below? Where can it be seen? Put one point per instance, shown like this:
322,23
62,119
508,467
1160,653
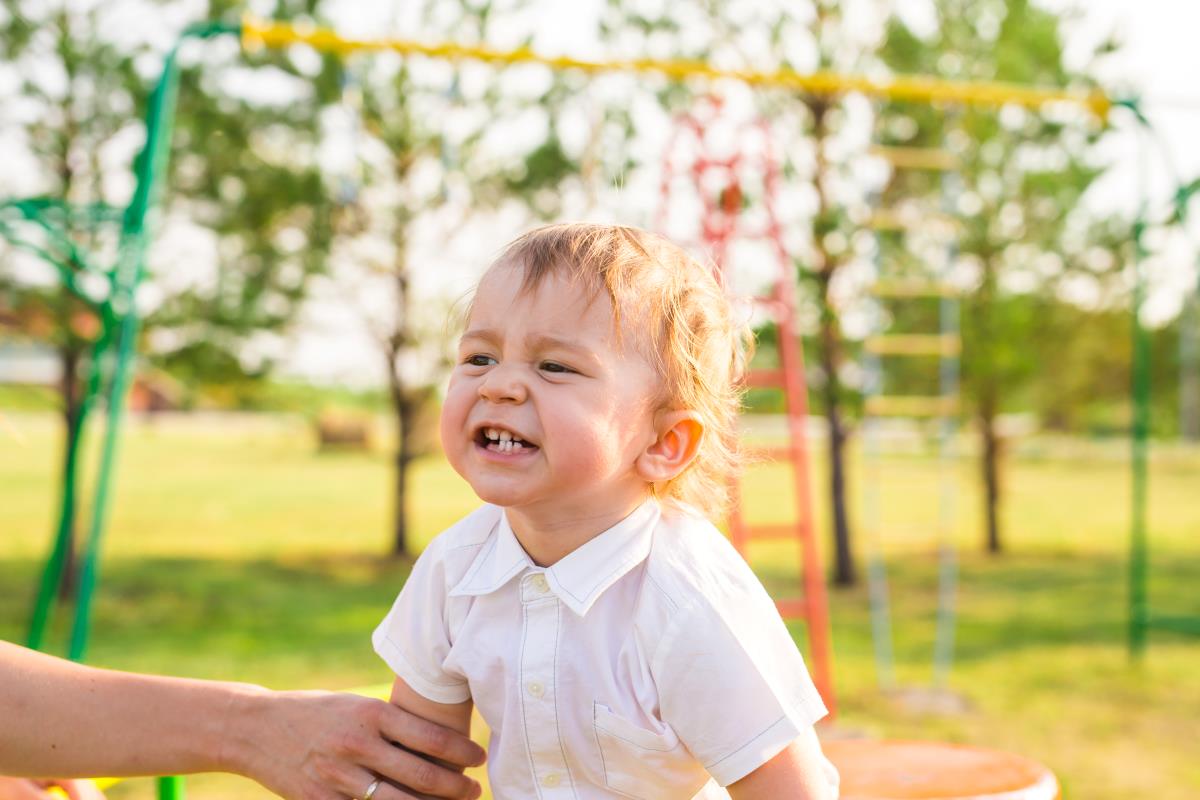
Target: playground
283,530
238,545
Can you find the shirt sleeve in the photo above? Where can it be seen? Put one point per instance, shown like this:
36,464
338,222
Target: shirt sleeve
414,638
732,684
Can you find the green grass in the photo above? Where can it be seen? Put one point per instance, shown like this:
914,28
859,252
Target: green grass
238,551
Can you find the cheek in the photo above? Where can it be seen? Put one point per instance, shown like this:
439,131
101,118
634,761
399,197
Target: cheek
453,420
594,439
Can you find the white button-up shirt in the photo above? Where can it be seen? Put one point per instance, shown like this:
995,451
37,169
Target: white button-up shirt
648,663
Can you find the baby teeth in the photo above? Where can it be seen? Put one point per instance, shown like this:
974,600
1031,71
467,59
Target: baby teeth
504,441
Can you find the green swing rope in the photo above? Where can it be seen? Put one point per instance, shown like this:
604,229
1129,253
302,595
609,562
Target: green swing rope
112,353
1140,617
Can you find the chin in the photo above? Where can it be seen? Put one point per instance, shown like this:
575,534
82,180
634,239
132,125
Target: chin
506,496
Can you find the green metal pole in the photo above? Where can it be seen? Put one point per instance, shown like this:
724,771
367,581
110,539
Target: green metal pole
949,373
1189,367
1138,611
120,314
126,278
103,494
52,573
171,788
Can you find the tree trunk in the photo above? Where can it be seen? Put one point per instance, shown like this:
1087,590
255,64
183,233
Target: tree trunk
70,392
405,414
400,498
988,386
991,467
844,572
403,403
1189,370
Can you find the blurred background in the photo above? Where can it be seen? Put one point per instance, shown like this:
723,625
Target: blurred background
322,216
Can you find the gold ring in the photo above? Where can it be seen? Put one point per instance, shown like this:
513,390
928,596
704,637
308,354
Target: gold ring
370,792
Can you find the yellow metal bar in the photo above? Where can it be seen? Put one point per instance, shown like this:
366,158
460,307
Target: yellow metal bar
911,406
100,783
261,33
914,344
912,288
886,220
916,158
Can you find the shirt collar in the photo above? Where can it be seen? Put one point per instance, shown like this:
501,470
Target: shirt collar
580,577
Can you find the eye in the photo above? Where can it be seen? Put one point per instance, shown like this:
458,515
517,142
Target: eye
554,366
478,360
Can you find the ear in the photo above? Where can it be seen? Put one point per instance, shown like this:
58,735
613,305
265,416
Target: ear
677,438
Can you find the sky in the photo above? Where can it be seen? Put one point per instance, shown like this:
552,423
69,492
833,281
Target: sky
1159,60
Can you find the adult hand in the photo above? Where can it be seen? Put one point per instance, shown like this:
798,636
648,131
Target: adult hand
31,789
331,746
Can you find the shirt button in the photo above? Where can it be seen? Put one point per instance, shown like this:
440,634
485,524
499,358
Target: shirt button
551,780
536,689
540,583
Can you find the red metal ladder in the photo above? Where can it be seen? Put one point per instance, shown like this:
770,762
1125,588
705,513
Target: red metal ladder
718,180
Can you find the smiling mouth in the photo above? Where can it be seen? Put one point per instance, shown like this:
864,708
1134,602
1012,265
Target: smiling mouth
498,440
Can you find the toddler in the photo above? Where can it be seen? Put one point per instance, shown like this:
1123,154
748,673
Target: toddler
614,641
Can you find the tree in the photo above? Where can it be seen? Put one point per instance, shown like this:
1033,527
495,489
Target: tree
245,170
429,159
64,76
81,85
1020,225
817,163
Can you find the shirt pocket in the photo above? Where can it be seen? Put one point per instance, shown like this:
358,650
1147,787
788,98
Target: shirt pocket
644,764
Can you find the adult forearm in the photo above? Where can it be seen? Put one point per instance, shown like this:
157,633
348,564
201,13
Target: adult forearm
66,719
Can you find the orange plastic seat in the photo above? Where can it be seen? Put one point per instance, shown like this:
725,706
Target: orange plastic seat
902,770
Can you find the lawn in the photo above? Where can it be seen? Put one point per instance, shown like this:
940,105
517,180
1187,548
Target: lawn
237,551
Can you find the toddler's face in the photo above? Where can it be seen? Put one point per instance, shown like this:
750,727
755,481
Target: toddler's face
546,411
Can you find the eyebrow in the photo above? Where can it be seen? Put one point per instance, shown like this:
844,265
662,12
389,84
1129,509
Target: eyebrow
539,341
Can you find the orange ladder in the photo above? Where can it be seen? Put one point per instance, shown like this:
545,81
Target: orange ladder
718,178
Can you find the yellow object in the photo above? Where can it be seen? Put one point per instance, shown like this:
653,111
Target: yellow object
911,406
261,33
914,344
888,221
916,158
101,784
913,288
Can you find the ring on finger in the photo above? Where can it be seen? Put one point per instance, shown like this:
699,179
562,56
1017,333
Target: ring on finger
370,792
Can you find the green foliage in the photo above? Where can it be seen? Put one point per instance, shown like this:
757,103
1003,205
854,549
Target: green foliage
246,170
237,170
1022,173
1024,245
73,93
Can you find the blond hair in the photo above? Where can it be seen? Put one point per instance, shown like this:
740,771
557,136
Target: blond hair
685,329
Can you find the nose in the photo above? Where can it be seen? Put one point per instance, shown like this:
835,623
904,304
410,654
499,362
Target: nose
503,384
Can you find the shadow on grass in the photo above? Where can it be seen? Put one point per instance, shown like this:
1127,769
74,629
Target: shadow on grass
1007,603
251,619
285,619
